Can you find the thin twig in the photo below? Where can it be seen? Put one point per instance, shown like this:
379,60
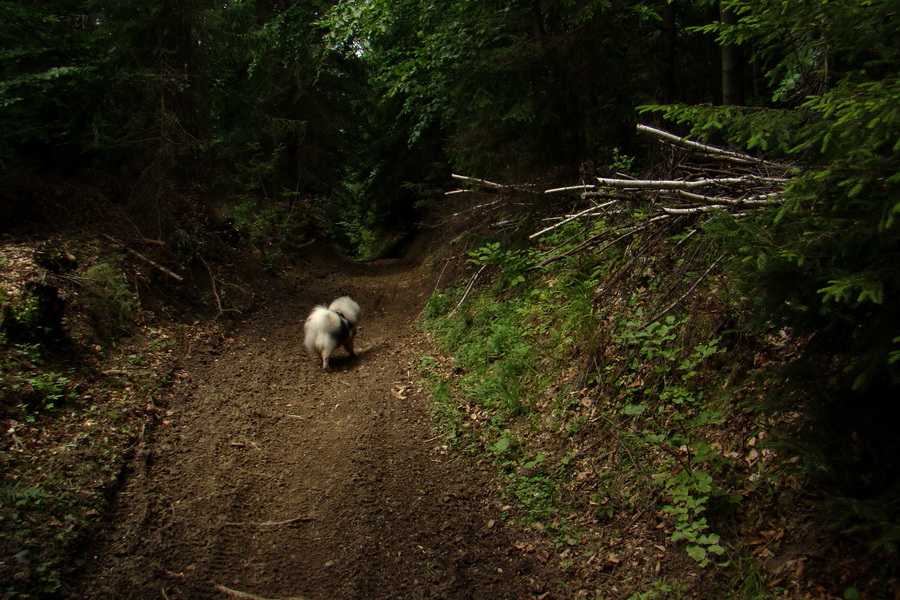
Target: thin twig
691,210
492,185
468,290
615,279
140,256
571,188
596,240
300,519
476,207
483,182
216,291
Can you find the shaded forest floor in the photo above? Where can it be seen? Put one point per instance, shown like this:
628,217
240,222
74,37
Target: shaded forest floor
270,477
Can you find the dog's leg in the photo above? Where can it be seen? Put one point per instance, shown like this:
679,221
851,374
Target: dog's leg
349,346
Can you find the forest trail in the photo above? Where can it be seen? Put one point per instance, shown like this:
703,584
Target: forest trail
269,478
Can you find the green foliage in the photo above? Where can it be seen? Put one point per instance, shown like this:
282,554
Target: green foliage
506,82
108,298
26,316
441,302
659,589
287,112
499,378
851,593
34,388
45,391
243,95
35,316
749,581
47,80
18,504
825,265
874,519
496,355
515,340
443,404
665,401
621,163
277,230
513,263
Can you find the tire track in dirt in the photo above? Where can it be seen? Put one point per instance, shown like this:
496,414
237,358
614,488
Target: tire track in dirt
271,477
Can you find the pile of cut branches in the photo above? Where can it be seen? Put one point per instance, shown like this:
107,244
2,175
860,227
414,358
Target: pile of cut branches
699,181
704,178
729,180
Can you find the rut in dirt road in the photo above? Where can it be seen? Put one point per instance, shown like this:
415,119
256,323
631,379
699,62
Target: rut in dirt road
274,479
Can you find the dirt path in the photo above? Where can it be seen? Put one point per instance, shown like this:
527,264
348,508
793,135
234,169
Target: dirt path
271,478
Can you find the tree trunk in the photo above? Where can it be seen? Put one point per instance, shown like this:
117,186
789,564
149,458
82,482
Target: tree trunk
669,61
538,20
732,64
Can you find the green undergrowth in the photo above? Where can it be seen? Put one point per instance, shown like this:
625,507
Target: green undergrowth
75,399
64,437
604,398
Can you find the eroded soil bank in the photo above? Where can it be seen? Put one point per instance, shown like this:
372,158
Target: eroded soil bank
270,478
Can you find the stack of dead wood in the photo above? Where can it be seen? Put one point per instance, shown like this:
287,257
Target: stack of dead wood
714,178
708,178
705,178
700,180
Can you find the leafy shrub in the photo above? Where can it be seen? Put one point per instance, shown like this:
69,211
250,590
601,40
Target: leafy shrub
535,347
108,298
36,316
277,230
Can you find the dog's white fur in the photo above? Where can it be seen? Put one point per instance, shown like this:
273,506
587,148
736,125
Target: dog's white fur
332,326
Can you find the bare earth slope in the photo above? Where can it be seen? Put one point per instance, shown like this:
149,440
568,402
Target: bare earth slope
269,478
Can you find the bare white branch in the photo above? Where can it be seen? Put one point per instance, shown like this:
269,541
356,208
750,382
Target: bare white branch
680,184
686,143
571,188
571,218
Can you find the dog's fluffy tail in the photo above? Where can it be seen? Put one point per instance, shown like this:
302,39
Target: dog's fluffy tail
348,308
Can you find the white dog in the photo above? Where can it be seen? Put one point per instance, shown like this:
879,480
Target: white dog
329,327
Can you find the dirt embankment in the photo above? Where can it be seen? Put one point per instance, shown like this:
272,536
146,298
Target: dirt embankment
269,478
